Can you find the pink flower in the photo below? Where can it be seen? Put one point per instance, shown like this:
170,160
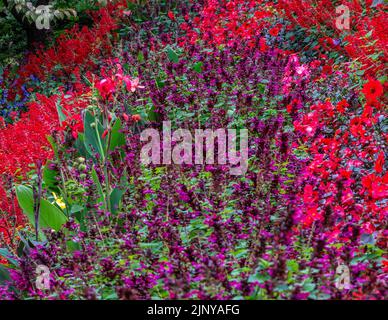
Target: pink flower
302,70
133,85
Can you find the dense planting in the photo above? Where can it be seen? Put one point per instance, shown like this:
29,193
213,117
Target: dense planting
76,199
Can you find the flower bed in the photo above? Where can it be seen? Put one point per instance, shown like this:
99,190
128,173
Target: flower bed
313,196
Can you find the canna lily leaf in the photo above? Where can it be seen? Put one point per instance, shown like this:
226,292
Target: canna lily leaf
115,198
50,215
92,136
117,137
49,178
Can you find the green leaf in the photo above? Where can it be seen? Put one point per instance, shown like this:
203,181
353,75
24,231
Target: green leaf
198,67
115,198
61,115
49,178
140,57
151,245
117,137
308,287
282,287
7,255
50,215
76,208
80,146
92,135
259,277
160,83
54,146
72,246
98,184
79,213
153,115
292,265
172,55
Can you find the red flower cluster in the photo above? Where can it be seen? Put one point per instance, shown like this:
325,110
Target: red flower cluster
367,39
346,175
372,90
76,48
25,142
13,216
225,22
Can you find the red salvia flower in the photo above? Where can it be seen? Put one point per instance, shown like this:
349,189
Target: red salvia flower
372,90
379,163
274,31
171,15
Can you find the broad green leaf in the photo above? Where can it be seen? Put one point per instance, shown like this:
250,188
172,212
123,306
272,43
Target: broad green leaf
51,140
72,246
117,137
115,198
81,147
50,215
76,208
79,213
92,135
49,178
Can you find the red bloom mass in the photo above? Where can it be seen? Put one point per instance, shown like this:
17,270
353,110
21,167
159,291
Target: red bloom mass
372,90
171,15
274,31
